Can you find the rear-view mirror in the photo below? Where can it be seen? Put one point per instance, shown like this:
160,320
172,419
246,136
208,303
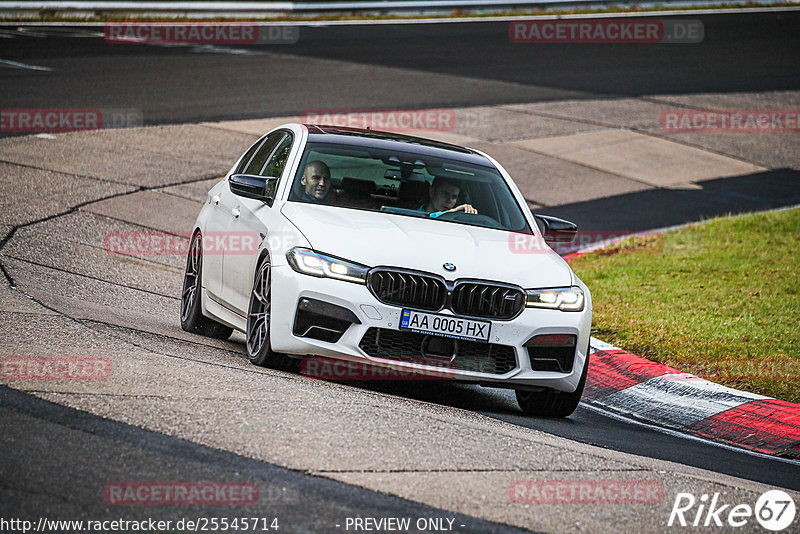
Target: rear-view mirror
253,186
556,230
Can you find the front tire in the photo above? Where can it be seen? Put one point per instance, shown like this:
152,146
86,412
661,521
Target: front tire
551,403
192,318
259,314
259,317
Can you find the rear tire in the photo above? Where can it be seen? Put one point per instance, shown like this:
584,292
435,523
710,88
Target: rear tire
551,403
192,318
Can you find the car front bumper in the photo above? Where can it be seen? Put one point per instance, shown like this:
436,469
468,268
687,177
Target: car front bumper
289,287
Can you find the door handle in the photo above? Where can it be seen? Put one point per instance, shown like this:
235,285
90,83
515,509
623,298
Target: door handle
235,212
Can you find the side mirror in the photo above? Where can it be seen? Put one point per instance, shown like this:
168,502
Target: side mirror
252,186
556,230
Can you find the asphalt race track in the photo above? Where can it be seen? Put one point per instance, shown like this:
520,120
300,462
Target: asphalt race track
392,66
183,408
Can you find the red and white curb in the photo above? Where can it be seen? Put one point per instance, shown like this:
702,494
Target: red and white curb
640,389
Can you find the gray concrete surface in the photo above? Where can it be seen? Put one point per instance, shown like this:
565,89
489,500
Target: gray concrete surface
639,157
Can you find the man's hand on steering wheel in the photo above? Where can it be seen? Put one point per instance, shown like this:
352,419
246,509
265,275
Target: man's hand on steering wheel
466,208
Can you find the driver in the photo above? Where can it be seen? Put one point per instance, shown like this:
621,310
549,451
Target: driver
316,182
442,198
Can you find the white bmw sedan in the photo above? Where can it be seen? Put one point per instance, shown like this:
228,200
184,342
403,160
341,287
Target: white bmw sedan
394,251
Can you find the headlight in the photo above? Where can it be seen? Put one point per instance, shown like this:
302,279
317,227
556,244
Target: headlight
313,263
564,299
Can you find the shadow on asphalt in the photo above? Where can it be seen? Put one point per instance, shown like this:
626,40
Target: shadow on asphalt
446,393
593,428
658,208
92,451
761,41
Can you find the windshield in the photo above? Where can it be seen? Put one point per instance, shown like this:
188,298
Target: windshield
406,184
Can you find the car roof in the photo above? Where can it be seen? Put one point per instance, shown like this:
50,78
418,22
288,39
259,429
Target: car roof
393,141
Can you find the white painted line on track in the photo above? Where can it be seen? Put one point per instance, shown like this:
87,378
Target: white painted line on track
599,344
17,65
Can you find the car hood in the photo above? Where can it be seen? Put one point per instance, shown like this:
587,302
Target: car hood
374,238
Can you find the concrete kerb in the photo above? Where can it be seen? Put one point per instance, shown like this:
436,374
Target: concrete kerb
661,396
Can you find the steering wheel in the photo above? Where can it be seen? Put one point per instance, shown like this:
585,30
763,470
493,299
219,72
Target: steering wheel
472,218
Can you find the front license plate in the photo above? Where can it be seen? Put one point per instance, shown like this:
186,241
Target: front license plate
445,325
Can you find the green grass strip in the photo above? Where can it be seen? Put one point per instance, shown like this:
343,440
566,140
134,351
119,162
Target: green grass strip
718,299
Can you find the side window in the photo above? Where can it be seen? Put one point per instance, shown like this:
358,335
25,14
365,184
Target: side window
248,156
277,162
257,162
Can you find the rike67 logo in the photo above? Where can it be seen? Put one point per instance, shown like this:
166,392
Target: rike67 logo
774,510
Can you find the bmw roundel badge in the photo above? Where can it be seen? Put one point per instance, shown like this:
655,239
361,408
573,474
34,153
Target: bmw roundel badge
449,266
